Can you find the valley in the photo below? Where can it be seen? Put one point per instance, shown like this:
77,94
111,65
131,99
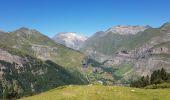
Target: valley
84,50
32,63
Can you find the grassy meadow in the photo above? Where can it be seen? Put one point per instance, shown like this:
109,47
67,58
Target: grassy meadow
100,92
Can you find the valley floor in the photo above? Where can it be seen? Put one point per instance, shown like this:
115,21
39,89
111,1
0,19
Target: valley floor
98,92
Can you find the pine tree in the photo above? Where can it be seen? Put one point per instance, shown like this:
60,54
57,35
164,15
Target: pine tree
157,77
164,75
147,79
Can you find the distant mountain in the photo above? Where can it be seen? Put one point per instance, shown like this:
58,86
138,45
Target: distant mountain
166,26
103,44
124,30
70,39
131,51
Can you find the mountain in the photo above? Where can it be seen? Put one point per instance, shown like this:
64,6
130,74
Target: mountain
103,44
39,46
166,26
124,30
22,74
31,62
128,54
70,39
44,63
34,63
36,44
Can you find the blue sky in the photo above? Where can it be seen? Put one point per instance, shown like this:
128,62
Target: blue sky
83,16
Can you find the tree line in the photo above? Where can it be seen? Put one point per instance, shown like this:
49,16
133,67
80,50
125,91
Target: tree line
157,77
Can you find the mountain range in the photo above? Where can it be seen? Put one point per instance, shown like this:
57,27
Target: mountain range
131,50
31,62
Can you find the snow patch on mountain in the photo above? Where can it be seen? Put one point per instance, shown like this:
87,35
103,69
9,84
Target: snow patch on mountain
70,39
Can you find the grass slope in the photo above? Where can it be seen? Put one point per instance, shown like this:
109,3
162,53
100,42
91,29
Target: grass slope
98,92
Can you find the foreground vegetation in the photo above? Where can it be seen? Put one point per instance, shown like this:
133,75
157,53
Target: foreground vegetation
100,92
156,78
158,86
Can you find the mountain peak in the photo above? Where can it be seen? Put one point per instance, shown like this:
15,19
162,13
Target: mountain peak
70,39
166,26
23,29
167,23
98,34
27,33
127,29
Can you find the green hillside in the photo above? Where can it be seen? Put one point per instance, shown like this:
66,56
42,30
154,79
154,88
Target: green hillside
98,92
36,44
128,56
31,63
22,74
109,43
40,46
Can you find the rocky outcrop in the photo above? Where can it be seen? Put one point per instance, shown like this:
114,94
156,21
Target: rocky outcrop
42,52
5,56
146,59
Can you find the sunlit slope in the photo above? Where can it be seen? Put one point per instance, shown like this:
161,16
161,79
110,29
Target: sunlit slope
97,92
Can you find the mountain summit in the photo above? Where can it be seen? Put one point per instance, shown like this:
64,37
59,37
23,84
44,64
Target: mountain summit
166,26
70,39
128,29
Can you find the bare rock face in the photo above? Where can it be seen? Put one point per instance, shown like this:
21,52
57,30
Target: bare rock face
146,58
42,52
124,30
70,39
18,61
5,56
